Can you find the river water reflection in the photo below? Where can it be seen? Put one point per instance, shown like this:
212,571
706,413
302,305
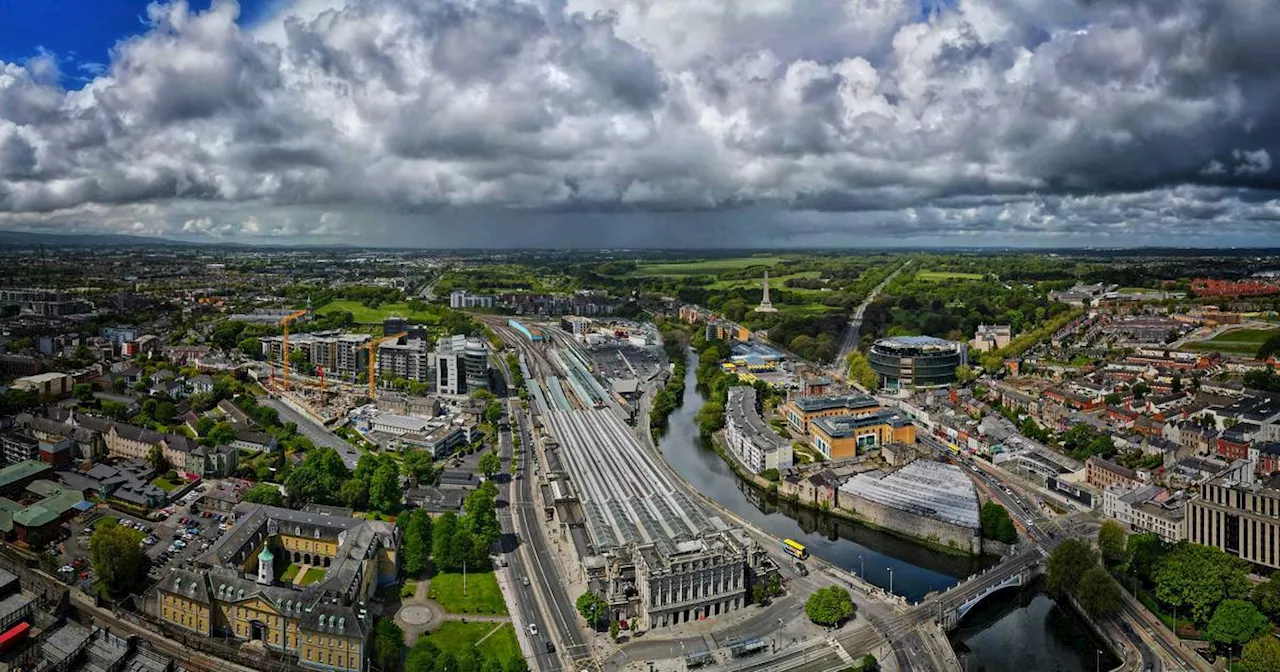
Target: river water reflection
1016,630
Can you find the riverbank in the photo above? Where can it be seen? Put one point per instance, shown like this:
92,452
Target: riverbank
772,490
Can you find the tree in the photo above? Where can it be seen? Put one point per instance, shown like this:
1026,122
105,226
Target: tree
829,606
354,494
613,630
1196,578
490,464
1145,552
1269,347
1267,596
965,374
384,488
83,392
1067,564
155,458
493,413
593,608
264,493
1111,541
388,641
117,558
996,524
869,663
165,411
318,479
1098,592
1235,622
220,435
1262,654
1113,399
204,426
860,371
417,541
417,465
482,515
443,532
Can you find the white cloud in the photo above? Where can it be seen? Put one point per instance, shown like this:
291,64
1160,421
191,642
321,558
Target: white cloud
413,107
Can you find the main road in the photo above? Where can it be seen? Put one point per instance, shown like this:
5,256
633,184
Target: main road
851,331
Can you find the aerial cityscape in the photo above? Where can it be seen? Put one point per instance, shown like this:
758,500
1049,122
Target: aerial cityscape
622,336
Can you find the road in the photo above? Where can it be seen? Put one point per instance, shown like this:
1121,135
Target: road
526,600
851,332
544,576
319,434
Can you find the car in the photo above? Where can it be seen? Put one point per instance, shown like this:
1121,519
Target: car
551,647
533,629
524,580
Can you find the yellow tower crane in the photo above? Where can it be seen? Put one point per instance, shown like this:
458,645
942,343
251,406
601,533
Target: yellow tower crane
284,353
372,347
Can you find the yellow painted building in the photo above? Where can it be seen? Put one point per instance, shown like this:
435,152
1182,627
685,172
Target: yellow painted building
800,411
843,437
325,623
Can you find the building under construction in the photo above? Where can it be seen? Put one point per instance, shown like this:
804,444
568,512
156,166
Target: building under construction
655,555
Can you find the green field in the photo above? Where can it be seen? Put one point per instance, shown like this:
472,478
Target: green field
313,574
1137,290
941,276
775,283
106,520
366,315
1239,342
705,266
483,595
455,636
165,484
289,572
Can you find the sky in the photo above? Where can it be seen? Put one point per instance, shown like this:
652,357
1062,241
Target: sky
644,123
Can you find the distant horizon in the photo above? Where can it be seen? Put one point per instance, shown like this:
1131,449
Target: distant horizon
90,238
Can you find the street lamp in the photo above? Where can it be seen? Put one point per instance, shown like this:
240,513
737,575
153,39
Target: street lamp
1097,657
890,580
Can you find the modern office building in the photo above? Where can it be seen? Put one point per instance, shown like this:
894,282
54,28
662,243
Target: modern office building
845,436
462,365
802,410
1240,514
905,362
236,589
42,302
748,437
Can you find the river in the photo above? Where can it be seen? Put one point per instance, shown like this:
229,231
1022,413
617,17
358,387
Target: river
1015,630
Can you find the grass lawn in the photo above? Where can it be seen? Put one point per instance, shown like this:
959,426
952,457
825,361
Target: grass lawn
940,276
289,572
775,282
705,266
165,484
409,589
805,309
1137,290
483,595
365,315
456,636
104,521
313,574
1238,342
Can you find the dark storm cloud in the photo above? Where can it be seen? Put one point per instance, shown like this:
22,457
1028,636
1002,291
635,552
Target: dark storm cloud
775,120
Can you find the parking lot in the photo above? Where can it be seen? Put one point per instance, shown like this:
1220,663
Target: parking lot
173,540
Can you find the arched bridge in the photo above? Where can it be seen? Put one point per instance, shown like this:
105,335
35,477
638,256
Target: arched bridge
956,603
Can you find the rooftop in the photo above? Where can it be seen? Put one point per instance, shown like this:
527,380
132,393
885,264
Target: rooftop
932,489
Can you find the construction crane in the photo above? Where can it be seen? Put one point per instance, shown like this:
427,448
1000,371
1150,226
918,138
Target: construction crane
372,347
284,353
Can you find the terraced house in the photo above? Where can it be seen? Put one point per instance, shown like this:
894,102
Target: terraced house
295,581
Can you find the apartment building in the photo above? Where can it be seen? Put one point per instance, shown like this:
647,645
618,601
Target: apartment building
341,355
406,357
748,437
1102,474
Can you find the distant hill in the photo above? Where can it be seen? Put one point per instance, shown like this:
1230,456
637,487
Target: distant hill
25,239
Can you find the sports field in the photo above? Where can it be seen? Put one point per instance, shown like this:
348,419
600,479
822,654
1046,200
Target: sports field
365,315
1238,342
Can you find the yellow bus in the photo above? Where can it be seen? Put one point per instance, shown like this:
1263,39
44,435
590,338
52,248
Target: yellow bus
795,549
